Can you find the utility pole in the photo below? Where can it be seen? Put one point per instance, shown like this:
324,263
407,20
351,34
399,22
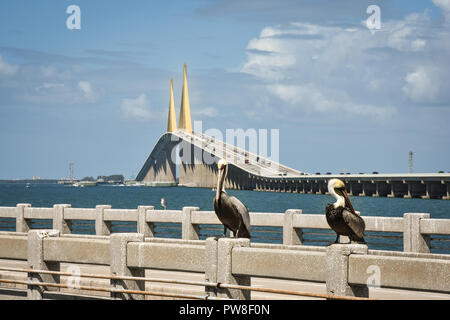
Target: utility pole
71,170
410,162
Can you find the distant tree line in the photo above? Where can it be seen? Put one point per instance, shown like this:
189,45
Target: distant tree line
112,178
117,178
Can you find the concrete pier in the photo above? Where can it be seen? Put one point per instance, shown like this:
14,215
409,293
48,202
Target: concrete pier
339,269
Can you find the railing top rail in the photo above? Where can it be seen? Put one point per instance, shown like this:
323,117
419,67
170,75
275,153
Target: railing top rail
428,226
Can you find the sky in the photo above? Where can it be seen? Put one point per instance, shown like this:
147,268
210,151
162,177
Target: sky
345,98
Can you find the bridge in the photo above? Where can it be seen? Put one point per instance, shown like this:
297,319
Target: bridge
196,154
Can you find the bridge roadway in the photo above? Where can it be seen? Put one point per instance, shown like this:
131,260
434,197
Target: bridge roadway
200,153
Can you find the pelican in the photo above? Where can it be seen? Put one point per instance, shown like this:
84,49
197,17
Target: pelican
163,203
231,212
341,216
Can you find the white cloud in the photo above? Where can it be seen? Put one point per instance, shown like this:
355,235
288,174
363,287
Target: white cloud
137,109
49,86
408,34
208,112
422,85
444,5
311,99
86,89
7,69
340,70
48,71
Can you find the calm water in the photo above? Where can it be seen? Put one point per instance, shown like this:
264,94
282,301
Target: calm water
46,195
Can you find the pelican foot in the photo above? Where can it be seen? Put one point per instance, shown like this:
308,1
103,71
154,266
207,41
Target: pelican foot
358,242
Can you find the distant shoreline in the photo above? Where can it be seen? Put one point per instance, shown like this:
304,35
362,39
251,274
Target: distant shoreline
30,181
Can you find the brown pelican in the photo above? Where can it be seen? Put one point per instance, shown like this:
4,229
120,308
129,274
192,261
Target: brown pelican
231,212
341,216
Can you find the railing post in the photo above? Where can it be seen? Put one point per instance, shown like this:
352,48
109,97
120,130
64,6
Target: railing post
22,224
413,240
224,269
211,265
102,227
291,235
119,267
143,226
36,261
59,223
189,231
337,260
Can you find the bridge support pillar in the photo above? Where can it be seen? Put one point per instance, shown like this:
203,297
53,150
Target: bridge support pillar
427,191
119,267
413,240
368,189
291,235
377,190
22,225
321,187
143,226
302,187
36,261
258,184
408,194
308,186
189,231
392,189
350,188
337,265
382,189
447,195
218,268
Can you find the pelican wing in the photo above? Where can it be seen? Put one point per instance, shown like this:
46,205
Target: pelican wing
242,210
355,222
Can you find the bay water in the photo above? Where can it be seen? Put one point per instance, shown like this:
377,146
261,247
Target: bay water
130,197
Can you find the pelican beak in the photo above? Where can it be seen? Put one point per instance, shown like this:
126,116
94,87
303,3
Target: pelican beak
347,200
222,164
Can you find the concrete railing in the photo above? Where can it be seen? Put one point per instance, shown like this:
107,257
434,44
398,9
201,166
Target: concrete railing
346,269
415,227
